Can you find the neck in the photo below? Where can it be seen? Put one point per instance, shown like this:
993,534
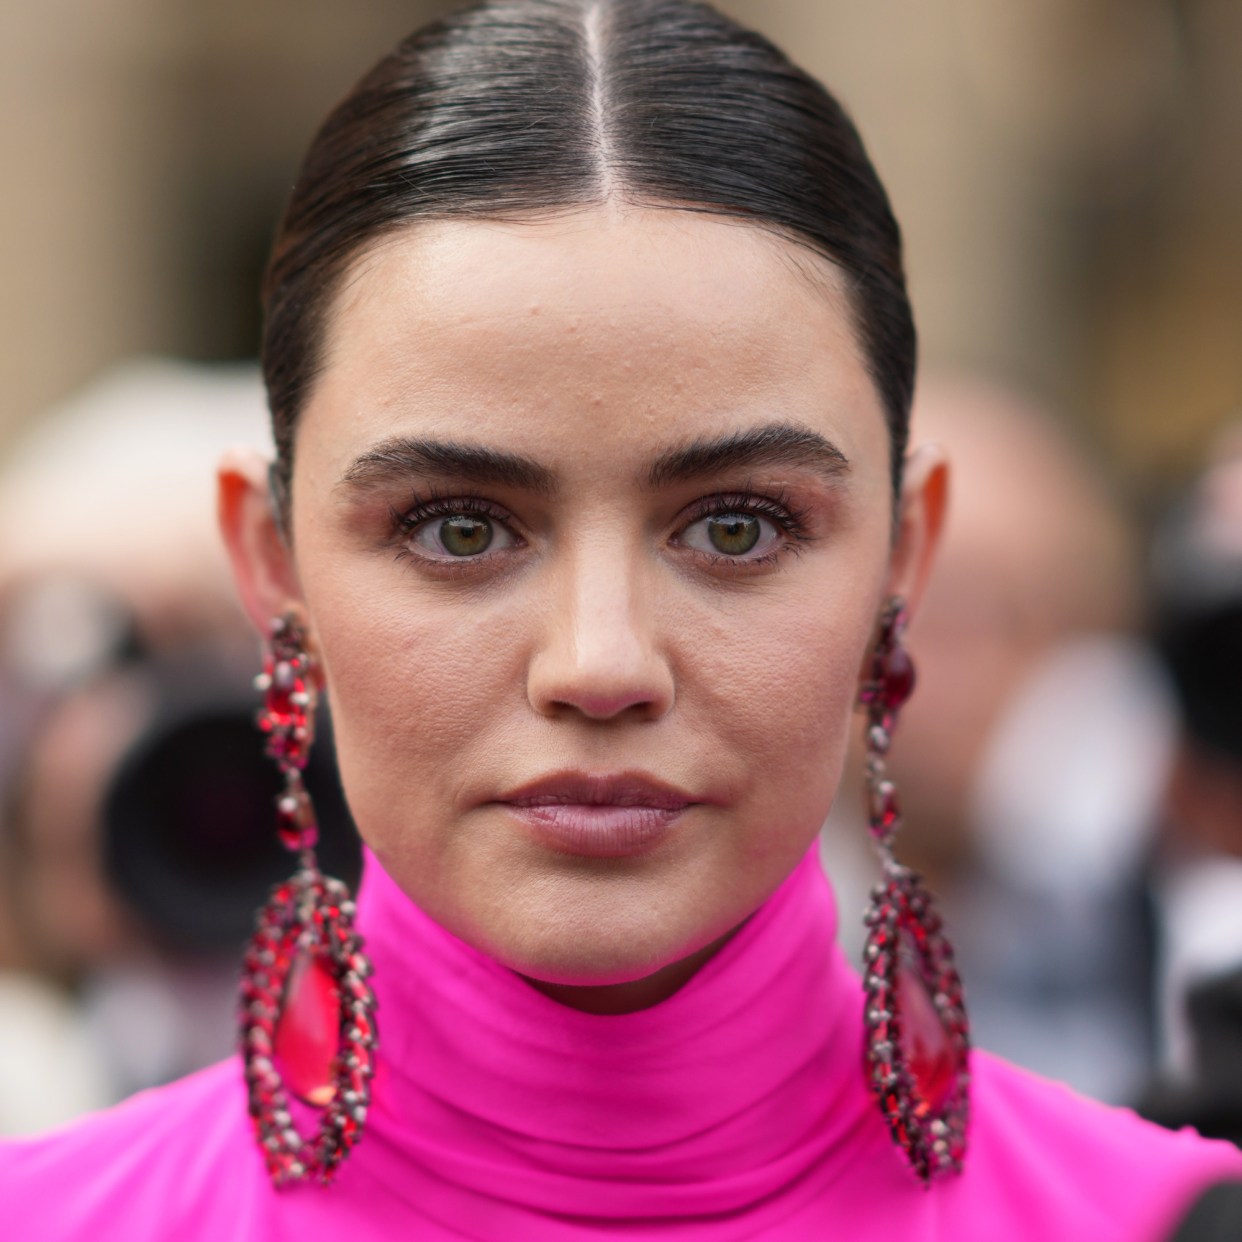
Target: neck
710,1102
609,999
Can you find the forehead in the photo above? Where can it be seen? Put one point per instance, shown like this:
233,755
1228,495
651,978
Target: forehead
633,326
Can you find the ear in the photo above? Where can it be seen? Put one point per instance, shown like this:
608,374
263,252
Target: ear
263,565
922,509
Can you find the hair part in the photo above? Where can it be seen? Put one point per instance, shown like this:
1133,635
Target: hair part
515,108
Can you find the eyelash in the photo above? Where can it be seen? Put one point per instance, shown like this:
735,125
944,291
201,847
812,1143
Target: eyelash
406,522
775,506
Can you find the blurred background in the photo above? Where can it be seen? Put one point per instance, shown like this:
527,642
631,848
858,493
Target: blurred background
1068,174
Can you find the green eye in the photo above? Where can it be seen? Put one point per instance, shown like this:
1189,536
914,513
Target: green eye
458,536
734,534
465,534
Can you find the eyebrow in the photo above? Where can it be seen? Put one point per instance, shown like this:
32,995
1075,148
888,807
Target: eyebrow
776,444
394,460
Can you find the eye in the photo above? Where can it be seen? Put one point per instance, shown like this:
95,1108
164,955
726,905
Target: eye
739,534
460,535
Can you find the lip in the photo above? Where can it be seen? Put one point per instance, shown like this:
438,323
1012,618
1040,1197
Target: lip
596,814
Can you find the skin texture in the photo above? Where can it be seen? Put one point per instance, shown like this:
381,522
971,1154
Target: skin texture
596,635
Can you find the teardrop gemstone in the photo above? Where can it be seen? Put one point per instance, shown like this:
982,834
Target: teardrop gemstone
308,1030
924,1038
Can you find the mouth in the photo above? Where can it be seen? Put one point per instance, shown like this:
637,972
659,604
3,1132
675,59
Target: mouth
600,816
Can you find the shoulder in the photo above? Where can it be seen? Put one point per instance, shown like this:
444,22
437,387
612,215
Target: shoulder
139,1170
1046,1153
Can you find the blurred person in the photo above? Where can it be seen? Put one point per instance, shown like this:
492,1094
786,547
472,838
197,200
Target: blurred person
111,488
1034,554
124,678
590,362
1197,580
1033,768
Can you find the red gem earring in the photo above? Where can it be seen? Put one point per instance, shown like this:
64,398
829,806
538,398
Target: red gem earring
307,1011
917,1033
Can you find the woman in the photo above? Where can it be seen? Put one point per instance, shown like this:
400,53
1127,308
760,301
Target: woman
590,360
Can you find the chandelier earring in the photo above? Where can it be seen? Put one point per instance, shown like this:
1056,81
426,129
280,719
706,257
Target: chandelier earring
307,1010
917,1034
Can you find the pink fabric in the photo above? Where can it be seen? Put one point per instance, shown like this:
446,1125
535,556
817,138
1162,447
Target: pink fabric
734,1110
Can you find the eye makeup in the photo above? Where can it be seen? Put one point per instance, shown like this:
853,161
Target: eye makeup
741,528
454,529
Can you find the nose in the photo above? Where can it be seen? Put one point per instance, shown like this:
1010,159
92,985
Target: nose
599,656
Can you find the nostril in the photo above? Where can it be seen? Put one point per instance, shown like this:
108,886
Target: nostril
605,707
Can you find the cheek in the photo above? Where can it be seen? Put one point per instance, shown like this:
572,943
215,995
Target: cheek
420,694
777,685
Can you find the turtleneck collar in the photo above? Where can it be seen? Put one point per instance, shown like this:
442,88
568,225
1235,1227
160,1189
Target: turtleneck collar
708,1103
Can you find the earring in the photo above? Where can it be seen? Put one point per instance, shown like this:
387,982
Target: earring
307,1011
917,1032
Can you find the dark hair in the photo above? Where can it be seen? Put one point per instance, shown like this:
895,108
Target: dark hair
514,107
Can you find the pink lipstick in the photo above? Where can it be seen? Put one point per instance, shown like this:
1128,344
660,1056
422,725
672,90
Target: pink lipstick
599,816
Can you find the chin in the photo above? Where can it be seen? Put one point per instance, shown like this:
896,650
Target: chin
581,971
608,942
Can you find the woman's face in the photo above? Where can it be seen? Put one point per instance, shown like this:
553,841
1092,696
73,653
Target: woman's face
591,523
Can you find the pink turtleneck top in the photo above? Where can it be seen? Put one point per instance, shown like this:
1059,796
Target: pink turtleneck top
735,1109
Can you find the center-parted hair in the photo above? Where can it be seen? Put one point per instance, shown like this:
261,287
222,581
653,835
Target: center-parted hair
515,108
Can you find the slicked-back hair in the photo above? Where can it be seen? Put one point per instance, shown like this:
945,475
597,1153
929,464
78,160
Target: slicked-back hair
513,108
